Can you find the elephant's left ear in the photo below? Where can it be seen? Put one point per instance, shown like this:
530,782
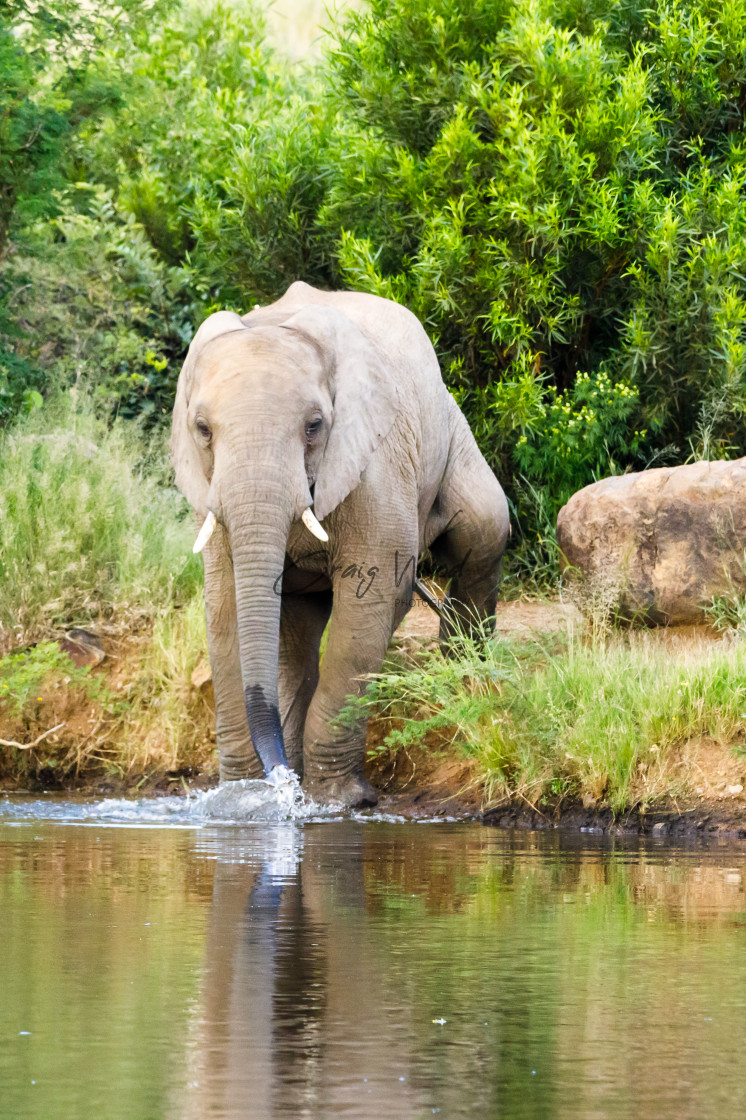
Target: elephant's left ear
364,395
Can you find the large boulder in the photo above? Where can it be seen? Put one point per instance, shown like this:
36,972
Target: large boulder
665,540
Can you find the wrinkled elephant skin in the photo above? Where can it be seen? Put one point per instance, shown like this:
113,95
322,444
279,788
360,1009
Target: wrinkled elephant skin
334,403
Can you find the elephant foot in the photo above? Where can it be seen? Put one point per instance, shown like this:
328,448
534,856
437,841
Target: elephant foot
238,772
350,792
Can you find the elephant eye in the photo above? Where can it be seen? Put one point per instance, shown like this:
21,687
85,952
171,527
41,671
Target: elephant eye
313,428
203,430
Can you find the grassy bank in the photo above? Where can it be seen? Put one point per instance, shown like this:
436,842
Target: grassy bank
88,531
92,537
616,719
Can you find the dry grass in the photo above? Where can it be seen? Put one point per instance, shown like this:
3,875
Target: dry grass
135,715
167,719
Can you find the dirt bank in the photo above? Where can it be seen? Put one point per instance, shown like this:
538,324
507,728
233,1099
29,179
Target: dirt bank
711,776
418,784
85,749
704,821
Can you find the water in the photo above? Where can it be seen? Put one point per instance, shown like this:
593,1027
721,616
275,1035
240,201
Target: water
155,963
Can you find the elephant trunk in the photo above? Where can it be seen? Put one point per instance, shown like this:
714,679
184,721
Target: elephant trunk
259,527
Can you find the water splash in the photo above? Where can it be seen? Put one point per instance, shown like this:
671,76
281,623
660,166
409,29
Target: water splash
277,797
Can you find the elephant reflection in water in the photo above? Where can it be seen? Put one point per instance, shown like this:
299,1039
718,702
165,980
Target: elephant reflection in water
293,1021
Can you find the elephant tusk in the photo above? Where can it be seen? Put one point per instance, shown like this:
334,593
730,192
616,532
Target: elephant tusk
310,521
205,532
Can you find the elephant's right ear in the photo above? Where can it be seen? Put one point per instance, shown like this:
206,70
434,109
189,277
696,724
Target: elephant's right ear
365,400
190,476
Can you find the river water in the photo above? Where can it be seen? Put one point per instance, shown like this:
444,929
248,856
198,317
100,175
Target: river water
157,963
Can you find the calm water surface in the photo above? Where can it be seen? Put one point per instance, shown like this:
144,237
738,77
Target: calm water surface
173,968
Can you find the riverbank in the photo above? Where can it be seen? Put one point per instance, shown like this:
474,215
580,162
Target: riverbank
105,684
447,738
421,786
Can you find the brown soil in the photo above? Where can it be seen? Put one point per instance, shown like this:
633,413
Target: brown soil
417,783
705,821
519,616
422,782
87,747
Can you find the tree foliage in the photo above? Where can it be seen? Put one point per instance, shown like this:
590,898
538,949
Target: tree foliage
51,83
555,187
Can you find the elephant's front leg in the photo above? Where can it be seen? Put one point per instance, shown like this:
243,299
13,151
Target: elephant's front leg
334,750
236,754
302,623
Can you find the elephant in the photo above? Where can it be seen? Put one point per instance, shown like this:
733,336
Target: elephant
323,407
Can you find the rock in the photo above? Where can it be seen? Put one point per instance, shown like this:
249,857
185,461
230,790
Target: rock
83,648
201,675
733,791
664,541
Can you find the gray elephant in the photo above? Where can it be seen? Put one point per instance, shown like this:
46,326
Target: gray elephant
323,407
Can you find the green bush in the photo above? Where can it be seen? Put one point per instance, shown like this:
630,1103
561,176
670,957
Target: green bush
198,152
156,220
49,82
98,307
52,83
555,187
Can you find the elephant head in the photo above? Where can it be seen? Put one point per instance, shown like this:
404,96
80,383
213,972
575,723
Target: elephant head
273,419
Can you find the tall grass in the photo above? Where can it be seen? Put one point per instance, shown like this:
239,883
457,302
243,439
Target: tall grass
163,725
92,533
566,716
88,530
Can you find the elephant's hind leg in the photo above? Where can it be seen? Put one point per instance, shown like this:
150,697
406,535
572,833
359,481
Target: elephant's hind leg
302,623
468,549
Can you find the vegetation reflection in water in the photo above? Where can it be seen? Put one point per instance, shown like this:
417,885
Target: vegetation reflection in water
286,971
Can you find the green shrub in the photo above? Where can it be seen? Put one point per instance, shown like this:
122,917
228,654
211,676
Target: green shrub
204,151
174,196
97,307
52,80
49,82
555,187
